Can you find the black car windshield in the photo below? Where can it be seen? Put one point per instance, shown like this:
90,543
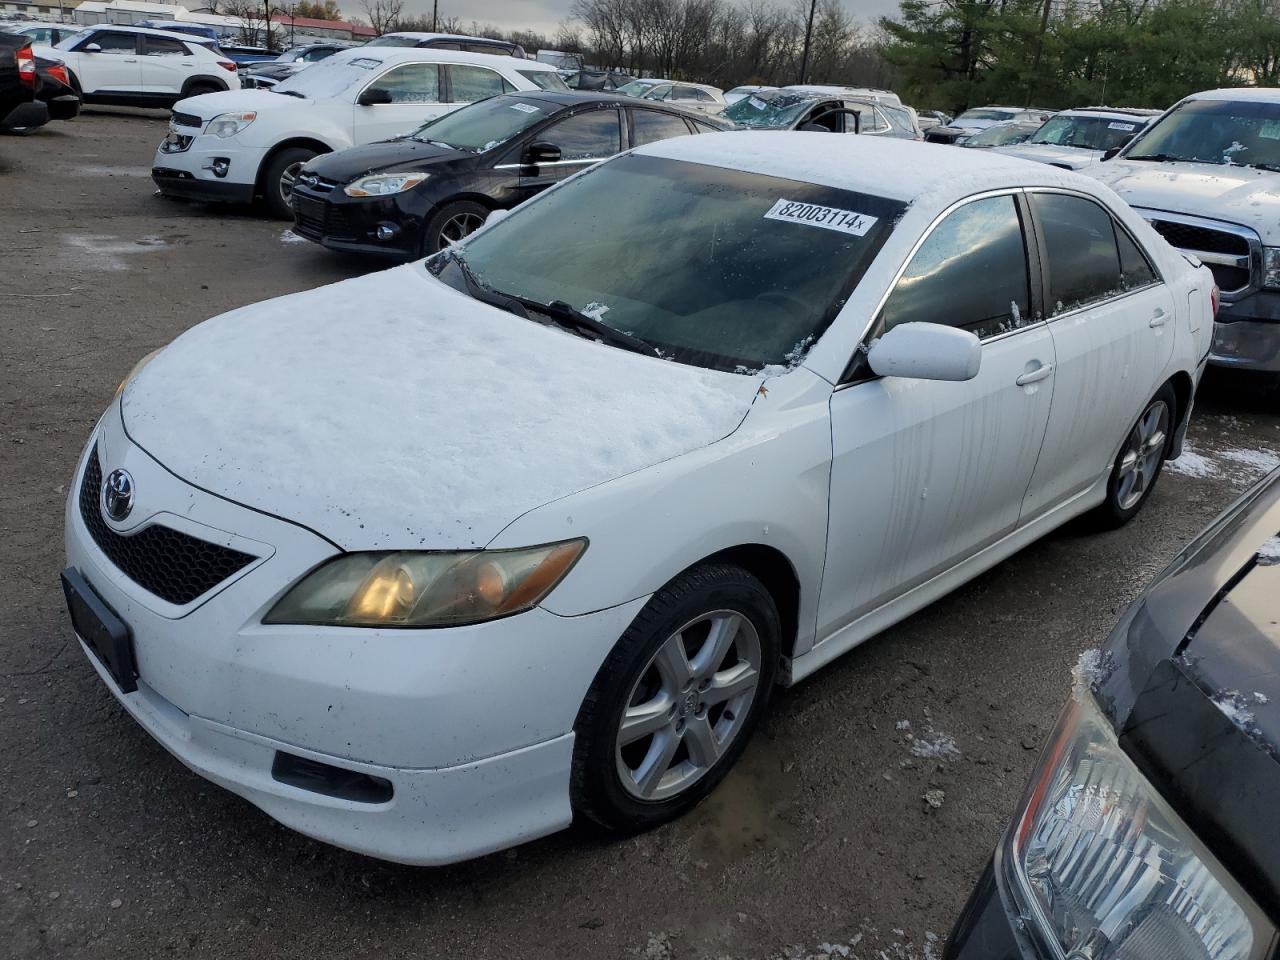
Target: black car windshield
716,268
983,114
1089,133
486,124
999,135
546,79
1242,132
769,110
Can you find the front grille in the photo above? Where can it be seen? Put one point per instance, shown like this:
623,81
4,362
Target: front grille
315,219
173,565
186,120
1185,236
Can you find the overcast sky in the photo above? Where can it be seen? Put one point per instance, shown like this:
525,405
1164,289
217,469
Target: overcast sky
545,15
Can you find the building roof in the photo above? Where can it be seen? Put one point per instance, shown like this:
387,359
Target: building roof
355,29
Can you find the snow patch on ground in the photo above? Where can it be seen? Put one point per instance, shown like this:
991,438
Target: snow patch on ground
1258,463
107,253
1239,465
869,945
288,236
1193,464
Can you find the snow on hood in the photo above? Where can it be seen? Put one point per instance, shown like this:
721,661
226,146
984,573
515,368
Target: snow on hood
209,105
1241,195
1072,158
391,411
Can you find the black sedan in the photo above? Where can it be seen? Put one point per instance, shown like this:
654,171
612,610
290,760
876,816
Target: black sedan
411,196
1149,829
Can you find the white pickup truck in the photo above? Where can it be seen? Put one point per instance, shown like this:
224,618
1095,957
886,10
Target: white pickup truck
1207,177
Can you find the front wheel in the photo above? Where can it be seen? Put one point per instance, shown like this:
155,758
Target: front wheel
674,704
1140,460
277,181
452,223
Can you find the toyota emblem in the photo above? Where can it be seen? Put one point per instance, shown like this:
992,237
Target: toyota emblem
117,495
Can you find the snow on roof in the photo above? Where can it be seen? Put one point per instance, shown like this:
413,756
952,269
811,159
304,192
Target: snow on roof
1126,112
147,31
434,55
440,36
1253,94
880,166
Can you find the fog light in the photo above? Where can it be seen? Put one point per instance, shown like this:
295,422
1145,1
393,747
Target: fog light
386,231
219,166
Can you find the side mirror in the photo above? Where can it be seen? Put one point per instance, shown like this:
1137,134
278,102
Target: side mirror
496,215
375,97
926,351
542,152
93,48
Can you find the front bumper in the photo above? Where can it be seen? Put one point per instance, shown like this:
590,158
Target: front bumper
1246,344
351,225
471,726
188,174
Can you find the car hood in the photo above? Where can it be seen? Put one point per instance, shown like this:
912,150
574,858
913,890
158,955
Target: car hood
1242,195
1071,158
391,411
209,105
345,165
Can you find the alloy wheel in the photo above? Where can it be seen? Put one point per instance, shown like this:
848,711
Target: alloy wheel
459,226
288,177
689,704
1143,449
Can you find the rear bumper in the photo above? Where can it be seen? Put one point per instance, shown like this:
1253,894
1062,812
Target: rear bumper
26,115
65,107
185,186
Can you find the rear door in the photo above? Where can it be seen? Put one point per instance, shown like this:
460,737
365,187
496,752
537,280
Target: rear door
416,97
165,64
649,126
1113,326
468,83
114,68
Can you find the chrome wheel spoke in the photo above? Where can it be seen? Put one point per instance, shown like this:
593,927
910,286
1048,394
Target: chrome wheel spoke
738,679
701,742
1142,453
673,664
648,776
724,630
645,719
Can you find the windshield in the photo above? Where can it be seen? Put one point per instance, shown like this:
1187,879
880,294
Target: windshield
328,78
546,79
485,124
1237,132
636,88
772,110
72,40
984,114
1087,133
1000,135
716,268
392,40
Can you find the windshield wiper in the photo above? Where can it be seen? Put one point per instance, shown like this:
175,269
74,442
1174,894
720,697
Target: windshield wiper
583,324
288,93
1162,158
1270,167
478,291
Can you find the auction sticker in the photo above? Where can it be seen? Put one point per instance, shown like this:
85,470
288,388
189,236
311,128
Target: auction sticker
829,218
525,108
1117,125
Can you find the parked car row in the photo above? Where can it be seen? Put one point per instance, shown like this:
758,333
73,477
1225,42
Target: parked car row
33,89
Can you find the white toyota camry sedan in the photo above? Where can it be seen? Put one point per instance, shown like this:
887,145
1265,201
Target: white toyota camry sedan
426,562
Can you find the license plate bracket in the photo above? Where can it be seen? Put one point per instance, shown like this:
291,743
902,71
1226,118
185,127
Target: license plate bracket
104,633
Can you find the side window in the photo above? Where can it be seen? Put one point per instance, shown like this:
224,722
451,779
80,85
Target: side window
492,49
117,43
412,83
1135,269
588,136
1080,246
971,272
163,47
311,56
658,93
650,125
475,83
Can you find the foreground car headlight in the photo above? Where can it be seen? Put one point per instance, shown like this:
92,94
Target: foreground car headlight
418,589
1271,267
229,124
383,184
1109,871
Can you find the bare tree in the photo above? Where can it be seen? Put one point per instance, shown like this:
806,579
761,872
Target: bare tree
382,14
256,26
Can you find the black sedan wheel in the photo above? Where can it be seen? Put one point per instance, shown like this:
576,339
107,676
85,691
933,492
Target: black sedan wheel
451,223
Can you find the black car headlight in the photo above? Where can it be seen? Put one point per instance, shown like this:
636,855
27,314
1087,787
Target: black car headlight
1106,870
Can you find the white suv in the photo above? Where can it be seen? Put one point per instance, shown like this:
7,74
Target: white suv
237,146
138,67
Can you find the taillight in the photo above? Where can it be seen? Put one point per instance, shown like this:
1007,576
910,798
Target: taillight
27,67
227,65
59,72
1214,299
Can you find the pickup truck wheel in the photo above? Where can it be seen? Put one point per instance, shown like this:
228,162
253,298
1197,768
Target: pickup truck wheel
277,181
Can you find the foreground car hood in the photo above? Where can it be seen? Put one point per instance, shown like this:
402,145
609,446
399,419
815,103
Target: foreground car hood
209,105
1072,158
1233,194
391,411
411,155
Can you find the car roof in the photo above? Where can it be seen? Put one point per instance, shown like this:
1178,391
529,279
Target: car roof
433,55
447,36
1110,111
568,98
881,166
1254,94
16,25
148,32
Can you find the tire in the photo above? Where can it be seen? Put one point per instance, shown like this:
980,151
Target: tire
275,189
1141,458
197,89
701,710
452,222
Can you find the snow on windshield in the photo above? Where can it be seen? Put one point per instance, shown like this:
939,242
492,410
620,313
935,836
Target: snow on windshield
329,78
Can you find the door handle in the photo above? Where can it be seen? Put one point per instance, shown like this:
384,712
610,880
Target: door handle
1157,319
1035,376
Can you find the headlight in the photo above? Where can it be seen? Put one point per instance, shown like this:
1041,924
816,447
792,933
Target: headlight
137,368
383,184
229,124
1108,870
1271,266
418,589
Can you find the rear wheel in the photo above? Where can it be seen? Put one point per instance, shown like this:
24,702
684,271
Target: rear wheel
1140,460
277,181
452,223
673,706
196,89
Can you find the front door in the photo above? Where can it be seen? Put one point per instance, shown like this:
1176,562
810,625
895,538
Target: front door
112,69
1113,327
927,473
583,139
415,92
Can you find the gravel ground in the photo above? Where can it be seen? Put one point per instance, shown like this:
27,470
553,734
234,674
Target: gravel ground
820,840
